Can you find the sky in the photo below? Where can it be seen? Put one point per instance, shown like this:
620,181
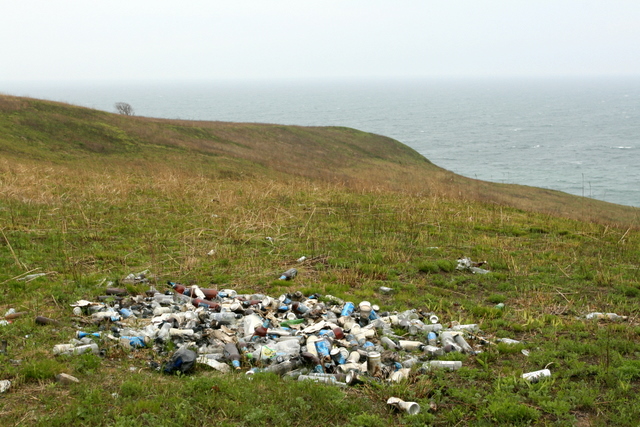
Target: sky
118,40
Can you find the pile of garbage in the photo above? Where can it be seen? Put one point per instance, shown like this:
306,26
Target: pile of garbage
316,337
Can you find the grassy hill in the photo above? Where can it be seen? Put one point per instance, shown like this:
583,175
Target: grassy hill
55,132
88,197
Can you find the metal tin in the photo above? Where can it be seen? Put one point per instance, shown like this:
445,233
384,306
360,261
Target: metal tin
374,363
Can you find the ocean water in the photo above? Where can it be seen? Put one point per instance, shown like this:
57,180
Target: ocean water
580,136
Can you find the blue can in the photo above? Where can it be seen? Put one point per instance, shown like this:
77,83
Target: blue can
339,356
125,312
323,347
347,309
373,315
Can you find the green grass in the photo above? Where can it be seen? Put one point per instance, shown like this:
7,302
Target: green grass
156,196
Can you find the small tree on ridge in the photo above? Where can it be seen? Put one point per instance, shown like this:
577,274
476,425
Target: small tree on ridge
124,108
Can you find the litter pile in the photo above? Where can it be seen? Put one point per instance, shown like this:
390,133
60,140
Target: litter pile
321,338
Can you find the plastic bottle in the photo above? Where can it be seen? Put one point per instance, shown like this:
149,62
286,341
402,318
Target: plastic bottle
222,367
158,311
289,274
605,316
508,341
284,367
322,379
289,348
163,299
93,348
109,314
535,376
208,293
472,327
432,350
198,302
452,365
231,354
434,327
410,345
408,363
432,338
41,320
333,300
411,408
63,348
225,317
175,332
388,343
177,287
446,339
80,334
466,348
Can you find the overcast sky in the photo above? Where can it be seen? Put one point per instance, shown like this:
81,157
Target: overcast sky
43,40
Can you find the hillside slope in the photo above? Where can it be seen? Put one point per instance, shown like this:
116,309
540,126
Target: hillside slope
44,131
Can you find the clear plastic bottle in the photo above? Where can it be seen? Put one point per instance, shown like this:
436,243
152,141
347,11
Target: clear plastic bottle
452,365
536,375
284,367
289,274
289,348
232,354
225,317
70,349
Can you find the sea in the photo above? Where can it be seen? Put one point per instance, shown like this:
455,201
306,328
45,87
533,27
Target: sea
576,135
